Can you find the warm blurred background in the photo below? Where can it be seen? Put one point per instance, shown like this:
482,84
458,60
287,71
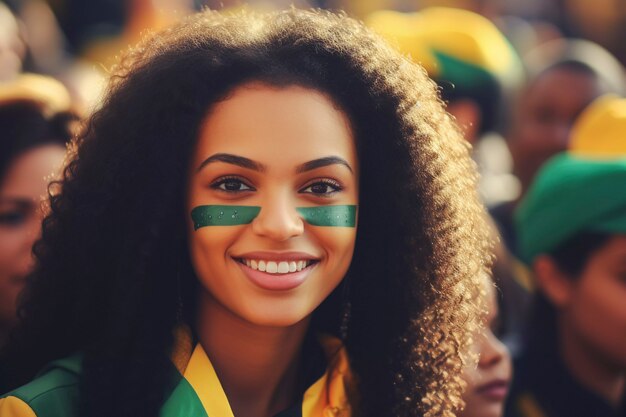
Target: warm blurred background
76,41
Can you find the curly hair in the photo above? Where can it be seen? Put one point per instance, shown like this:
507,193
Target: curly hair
25,125
114,254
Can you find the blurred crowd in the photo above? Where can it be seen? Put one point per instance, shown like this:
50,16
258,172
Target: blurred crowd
536,88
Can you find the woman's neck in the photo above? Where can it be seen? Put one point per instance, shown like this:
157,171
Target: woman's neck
257,366
593,372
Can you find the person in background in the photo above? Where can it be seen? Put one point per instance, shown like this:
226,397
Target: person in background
572,233
564,76
488,381
35,126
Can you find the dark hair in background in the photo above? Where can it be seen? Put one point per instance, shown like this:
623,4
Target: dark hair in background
576,55
24,125
581,56
584,68
571,258
489,95
113,262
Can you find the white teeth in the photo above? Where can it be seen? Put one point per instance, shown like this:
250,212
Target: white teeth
283,267
273,267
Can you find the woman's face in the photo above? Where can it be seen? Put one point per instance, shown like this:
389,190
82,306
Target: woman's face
21,192
595,311
269,162
488,382
545,115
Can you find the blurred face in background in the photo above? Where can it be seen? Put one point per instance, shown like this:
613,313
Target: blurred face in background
594,309
488,381
544,117
22,190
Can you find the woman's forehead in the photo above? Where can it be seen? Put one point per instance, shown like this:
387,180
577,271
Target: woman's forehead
269,124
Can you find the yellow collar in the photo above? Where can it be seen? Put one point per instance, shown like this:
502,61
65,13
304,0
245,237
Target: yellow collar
326,397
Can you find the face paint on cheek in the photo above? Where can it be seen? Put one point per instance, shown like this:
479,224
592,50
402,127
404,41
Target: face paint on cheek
220,215
223,215
332,216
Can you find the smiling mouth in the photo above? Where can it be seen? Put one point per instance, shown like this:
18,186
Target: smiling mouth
277,267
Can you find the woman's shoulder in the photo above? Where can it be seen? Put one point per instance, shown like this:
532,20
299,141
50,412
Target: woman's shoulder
53,393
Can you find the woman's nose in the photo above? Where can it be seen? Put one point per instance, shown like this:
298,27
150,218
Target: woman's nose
278,219
492,351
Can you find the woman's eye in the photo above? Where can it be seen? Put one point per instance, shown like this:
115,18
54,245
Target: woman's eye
322,188
12,219
232,185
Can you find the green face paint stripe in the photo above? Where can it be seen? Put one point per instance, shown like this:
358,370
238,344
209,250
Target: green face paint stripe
333,216
219,215
223,215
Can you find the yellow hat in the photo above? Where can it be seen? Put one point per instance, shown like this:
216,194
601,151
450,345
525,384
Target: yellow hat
47,92
600,130
461,34
462,51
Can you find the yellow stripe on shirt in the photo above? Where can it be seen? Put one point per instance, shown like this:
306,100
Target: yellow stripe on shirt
14,407
202,377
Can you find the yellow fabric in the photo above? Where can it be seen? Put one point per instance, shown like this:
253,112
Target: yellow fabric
326,397
523,275
14,407
600,130
462,34
528,407
202,377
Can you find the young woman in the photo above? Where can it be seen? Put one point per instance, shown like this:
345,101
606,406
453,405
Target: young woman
572,228
35,126
269,214
488,381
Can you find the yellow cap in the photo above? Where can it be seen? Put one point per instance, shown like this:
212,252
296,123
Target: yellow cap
47,92
600,130
464,35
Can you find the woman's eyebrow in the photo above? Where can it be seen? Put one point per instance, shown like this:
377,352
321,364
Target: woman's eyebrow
322,162
233,160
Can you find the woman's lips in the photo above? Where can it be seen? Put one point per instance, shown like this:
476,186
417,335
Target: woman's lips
494,390
277,280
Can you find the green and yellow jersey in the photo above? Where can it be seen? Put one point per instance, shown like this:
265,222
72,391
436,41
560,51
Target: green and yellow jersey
198,393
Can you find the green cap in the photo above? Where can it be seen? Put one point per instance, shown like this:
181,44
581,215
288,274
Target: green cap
582,190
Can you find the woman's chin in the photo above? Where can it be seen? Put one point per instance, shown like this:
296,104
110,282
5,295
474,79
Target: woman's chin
275,316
